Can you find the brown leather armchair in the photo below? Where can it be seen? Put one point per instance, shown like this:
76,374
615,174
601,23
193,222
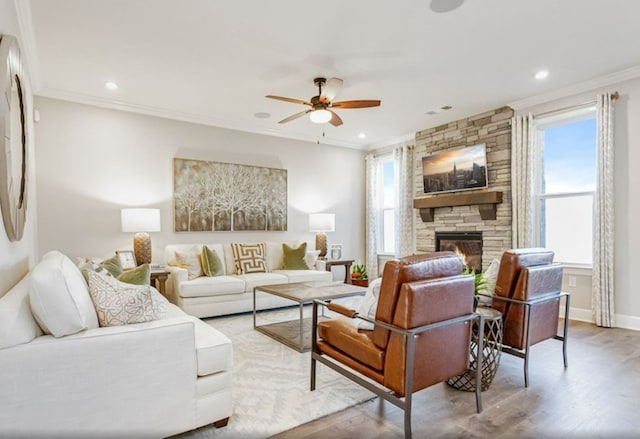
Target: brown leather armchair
421,335
528,293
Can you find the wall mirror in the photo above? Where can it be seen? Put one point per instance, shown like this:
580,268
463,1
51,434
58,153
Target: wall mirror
14,137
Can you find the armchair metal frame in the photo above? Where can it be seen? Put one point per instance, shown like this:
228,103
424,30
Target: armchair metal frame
404,403
524,354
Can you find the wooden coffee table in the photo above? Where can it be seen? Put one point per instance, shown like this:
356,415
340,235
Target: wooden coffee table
297,333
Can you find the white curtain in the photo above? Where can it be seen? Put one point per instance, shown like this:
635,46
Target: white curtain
603,217
371,224
523,176
404,233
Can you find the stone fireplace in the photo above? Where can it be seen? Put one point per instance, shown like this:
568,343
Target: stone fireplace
467,244
445,213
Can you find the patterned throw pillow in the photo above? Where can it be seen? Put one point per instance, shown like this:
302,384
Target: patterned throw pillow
140,275
294,258
211,263
119,303
249,258
190,261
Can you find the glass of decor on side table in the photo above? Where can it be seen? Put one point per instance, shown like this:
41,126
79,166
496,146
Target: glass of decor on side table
359,275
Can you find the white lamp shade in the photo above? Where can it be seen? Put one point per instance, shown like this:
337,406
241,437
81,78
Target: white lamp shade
320,116
322,222
140,220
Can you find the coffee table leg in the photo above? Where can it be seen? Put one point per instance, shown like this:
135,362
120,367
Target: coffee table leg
301,325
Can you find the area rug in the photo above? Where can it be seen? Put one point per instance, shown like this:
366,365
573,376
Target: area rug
271,382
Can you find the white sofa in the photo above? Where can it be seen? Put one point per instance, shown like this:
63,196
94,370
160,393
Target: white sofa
233,293
151,379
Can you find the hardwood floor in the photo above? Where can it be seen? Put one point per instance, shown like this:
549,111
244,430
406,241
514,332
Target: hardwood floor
597,396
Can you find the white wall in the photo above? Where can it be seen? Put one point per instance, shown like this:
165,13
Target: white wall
627,206
94,161
17,257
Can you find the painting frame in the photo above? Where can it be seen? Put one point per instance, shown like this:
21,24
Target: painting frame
218,196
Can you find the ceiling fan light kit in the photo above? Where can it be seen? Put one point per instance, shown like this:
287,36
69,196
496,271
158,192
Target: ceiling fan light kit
320,116
322,104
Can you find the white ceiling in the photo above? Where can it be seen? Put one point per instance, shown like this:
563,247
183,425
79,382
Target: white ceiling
213,62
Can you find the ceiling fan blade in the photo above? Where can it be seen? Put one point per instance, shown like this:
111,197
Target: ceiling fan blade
335,119
331,89
294,101
295,116
364,103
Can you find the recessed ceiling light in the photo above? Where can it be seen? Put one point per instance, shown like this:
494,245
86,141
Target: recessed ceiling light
542,74
445,5
362,135
110,85
262,115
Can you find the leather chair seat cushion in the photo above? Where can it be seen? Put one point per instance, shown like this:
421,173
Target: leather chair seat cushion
355,343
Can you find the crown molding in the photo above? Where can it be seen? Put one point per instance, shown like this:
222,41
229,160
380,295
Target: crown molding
389,144
183,117
29,48
591,84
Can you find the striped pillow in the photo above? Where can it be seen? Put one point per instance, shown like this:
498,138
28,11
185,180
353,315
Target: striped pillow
249,258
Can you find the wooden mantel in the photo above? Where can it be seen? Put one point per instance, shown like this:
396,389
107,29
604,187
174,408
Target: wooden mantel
486,201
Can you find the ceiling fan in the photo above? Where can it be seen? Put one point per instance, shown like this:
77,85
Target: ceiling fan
322,105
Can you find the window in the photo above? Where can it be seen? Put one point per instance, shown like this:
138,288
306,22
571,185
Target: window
386,205
566,150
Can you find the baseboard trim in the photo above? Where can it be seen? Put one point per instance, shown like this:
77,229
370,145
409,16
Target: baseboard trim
585,315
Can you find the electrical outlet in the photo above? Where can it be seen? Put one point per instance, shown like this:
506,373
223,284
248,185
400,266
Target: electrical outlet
572,281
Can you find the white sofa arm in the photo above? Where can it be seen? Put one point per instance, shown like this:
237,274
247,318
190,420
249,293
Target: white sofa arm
177,275
141,376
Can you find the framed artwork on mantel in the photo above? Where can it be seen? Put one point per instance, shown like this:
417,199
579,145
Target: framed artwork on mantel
215,196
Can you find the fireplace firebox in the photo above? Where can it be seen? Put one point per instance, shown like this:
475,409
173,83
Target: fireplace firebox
466,244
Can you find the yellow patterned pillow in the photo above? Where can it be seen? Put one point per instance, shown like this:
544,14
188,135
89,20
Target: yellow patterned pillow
249,258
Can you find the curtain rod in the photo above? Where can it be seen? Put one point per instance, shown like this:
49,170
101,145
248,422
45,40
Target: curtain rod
614,96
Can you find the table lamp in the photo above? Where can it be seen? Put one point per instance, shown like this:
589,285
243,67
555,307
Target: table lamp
321,223
141,222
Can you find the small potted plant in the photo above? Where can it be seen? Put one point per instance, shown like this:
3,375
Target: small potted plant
359,275
480,284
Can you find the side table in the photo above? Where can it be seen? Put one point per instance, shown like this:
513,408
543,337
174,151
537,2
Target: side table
159,278
347,267
491,352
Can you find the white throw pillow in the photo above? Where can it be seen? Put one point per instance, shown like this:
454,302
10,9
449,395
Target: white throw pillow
17,325
59,297
311,257
369,304
491,276
119,303
190,261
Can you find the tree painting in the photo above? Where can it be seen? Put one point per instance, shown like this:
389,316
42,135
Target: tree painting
214,196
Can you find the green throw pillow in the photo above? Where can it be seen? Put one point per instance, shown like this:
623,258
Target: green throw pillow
294,258
137,276
210,261
112,265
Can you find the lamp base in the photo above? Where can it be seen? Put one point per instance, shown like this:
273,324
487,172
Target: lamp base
142,248
321,244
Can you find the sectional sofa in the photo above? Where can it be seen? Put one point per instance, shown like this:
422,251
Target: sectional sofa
230,292
64,376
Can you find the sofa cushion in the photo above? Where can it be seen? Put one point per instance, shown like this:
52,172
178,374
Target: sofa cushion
257,279
191,261
59,297
212,265
211,286
214,351
305,275
294,257
249,258
118,303
17,325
